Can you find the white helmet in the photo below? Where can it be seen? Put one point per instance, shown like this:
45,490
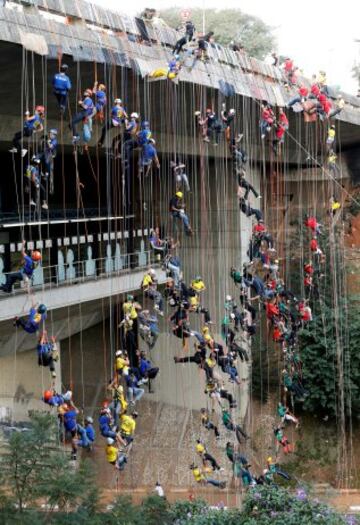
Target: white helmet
228,298
110,441
134,115
152,271
118,353
232,112
118,101
67,396
89,419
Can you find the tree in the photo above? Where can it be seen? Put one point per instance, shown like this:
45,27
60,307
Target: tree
34,467
229,25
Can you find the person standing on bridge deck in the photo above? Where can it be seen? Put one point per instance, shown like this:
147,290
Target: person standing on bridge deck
25,273
188,29
32,124
61,86
87,109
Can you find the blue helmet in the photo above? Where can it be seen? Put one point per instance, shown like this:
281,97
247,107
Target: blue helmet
42,309
145,124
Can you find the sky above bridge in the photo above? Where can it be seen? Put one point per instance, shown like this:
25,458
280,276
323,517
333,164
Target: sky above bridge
318,35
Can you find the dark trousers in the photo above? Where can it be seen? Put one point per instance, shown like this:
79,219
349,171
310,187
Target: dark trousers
46,360
19,135
29,327
11,278
191,359
179,45
61,100
248,187
210,426
78,117
212,461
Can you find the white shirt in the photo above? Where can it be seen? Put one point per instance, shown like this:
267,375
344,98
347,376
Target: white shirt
160,491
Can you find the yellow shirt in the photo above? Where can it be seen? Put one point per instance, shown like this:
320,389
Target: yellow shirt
210,362
200,449
130,310
335,206
128,424
198,286
147,281
198,475
331,134
111,453
194,301
121,364
332,158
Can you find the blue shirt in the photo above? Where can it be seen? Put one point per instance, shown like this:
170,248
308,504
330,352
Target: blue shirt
100,99
90,433
28,266
131,382
104,422
61,83
145,365
70,420
51,146
43,348
55,401
34,123
117,114
148,153
88,105
143,137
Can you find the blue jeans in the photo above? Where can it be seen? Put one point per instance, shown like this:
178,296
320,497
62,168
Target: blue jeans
157,298
175,273
78,117
231,370
214,482
293,101
263,127
183,217
11,278
134,393
84,441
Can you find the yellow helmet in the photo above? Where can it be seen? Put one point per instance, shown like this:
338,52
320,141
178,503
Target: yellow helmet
269,459
179,194
205,329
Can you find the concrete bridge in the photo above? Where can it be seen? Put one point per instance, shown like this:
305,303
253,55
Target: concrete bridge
84,314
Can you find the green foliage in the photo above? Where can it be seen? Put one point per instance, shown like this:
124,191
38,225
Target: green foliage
155,510
187,508
229,25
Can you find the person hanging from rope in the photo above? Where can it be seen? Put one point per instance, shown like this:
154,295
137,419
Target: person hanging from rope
311,222
118,404
34,178
339,106
281,126
172,265
127,427
47,352
228,118
130,141
33,124
285,415
133,393
188,29
230,425
61,86
202,479
291,384
245,185
210,125
37,315
198,357
122,363
47,156
148,328
145,371
106,424
206,457
51,398
149,287
335,205
87,434
236,276
282,440
86,112
70,414
248,210
300,98
99,90
29,264
330,137
148,158
267,119
180,176
177,210
204,41
114,456
217,392
273,469
332,165
118,118
207,423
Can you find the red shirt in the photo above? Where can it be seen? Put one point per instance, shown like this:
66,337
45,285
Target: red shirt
308,268
322,98
305,315
271,310
280,131
267,115
311,222
258,228
308,281
303,91
315,90
283,120
314,245
327,106
276,334
288,65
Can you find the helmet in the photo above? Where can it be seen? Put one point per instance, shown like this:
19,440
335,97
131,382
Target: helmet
64,67
68,395
130,297
105,404
179,194
110,441
102,87
177,57
228,298
145,124
53,131
88,92
269,459
36,256
152,271
135,414
118,352
232,111
205,329
197,278
47,395
118,101
40,109
41,309
89,419
65,406
134,115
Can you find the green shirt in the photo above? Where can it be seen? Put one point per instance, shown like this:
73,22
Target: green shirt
226,418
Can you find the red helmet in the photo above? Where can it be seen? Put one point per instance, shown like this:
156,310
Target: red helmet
47,395
105,404
36,256
88,92
40,109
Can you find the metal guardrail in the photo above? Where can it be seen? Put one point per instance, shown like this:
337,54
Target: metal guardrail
79,272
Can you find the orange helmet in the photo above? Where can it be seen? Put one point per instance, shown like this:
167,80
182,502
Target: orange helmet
40,109
36,256
47,395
